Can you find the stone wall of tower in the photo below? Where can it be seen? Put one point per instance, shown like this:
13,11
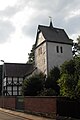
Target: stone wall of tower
58,53
40,58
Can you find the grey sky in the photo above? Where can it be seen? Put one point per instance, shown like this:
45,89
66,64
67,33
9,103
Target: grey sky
6,28
19,20
63,12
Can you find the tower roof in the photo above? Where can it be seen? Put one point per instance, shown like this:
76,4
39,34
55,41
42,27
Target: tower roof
53,34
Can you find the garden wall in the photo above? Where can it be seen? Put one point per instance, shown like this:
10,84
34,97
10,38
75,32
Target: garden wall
45,106
41,105
8,102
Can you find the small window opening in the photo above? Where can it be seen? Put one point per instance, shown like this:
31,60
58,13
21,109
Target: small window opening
57,49
61,49
40,51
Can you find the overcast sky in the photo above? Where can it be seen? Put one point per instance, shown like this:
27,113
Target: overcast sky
19,20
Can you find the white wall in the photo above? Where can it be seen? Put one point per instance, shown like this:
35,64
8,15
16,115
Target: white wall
56,59
40,38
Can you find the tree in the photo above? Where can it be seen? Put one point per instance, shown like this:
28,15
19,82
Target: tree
68,85
69,81
37,85
51,81
31,56
33,85
68,67
76,47
48,92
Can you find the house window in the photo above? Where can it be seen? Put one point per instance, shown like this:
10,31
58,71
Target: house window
15,88
10,92
9,80
20,88
20,80
14,92
14,80
40,51
19,92
9,88
57,49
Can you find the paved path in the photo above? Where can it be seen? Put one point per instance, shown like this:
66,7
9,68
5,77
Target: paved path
8,116
20,116
13,115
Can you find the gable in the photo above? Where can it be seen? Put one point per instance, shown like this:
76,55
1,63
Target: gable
40,39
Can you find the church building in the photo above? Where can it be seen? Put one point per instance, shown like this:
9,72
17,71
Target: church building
52,48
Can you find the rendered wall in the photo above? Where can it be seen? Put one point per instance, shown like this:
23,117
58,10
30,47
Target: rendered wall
57,59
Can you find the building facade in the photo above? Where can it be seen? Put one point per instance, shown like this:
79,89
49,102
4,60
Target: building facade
14,74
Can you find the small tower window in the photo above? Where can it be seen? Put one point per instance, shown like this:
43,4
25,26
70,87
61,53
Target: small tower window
57,49
40,51
61,49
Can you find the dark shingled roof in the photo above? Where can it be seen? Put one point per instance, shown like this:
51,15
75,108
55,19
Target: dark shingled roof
17,69
54,34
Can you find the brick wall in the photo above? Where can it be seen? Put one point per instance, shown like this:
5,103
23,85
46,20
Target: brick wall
9,102
42,105
37,105
47,106
0,101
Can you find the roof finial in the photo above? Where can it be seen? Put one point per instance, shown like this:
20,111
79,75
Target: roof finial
51,25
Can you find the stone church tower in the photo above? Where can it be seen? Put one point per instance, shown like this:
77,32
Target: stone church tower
53,47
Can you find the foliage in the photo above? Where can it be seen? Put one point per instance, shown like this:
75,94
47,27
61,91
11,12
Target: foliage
68,85
33,85
77,66
68,67
51,81
48,92
31,56
78,90
76,47
65,81
69,81
37,85
54,73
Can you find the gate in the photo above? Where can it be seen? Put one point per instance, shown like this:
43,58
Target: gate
20,103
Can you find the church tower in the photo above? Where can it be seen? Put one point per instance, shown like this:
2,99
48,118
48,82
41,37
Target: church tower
53,48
